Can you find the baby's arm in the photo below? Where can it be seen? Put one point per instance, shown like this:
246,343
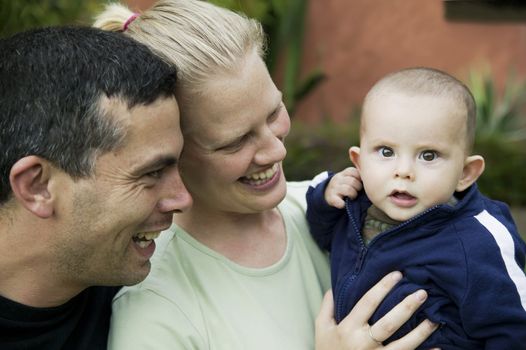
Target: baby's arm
322,213
346,183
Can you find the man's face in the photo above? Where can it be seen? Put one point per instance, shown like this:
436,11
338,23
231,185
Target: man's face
111,217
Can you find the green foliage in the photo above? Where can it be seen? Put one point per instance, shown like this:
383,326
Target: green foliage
19,15
503,178
499,117
312,149
284,23
501,136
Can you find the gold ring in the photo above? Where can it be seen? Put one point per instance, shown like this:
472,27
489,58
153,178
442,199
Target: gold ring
372,337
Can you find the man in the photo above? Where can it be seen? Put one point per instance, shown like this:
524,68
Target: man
90,140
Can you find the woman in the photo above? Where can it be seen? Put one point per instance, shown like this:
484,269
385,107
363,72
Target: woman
239,269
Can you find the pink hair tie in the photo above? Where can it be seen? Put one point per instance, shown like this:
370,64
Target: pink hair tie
129,20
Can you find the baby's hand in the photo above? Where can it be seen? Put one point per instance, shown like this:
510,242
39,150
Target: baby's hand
346,183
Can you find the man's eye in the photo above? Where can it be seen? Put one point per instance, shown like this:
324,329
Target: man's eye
156,174
386,152
428,156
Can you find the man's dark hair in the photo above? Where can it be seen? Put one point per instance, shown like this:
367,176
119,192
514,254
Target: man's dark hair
52,83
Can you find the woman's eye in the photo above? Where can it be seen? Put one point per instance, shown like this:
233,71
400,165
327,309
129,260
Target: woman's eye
274,116
386,152
234,146
429,156
231,147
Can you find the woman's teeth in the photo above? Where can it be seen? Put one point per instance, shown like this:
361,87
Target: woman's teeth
261,177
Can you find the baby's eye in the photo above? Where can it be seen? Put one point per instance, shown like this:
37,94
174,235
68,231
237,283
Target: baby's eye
386,152
428,155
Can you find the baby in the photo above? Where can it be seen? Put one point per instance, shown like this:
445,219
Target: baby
421,213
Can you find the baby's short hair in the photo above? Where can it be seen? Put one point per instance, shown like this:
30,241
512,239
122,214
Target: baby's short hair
429,81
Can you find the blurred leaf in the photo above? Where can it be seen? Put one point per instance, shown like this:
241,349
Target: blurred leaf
284,24
19,15
499,117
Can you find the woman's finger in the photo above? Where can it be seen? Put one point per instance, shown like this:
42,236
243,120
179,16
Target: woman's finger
398,315
366,306
414,338
327,335
326,315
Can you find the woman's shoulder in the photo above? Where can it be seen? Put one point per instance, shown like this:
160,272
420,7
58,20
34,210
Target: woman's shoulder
295,197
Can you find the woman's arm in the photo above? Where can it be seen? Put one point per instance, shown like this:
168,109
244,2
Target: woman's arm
354,332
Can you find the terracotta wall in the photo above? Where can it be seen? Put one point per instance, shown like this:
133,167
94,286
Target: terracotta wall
357,41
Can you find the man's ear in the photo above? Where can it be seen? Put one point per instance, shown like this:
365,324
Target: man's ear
473,168
29,179
354,155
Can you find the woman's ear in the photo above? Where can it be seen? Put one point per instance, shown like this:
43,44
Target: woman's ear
29,180
354,155
473,168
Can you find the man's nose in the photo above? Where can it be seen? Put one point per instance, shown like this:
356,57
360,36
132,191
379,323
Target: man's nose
177,198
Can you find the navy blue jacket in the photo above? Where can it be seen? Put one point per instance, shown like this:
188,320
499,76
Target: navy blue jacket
469,258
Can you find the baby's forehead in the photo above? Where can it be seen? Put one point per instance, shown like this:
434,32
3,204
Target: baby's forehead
414,111
383,100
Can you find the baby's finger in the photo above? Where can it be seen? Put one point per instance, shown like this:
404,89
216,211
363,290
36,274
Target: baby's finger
351,172
336,201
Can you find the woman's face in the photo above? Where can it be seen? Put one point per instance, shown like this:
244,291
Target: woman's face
234,133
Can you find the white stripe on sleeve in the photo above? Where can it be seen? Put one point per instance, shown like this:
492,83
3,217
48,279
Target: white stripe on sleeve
507,250
319,179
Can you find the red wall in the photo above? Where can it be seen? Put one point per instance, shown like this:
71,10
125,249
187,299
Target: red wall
355,42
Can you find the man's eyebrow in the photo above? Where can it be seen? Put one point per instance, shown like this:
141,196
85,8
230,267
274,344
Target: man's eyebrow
159,162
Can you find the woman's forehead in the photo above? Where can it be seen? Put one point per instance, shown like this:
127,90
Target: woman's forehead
229,101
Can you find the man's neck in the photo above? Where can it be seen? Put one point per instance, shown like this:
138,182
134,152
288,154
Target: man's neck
28,271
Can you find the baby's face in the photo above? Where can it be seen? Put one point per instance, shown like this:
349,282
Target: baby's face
412,152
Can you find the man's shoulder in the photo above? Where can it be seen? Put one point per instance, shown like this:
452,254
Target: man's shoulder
81,323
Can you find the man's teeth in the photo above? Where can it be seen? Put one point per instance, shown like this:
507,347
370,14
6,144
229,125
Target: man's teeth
143,244
264,175
147,236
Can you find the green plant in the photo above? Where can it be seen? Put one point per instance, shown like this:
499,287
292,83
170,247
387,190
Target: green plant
312,149
16,15
499,116
501,135
283,21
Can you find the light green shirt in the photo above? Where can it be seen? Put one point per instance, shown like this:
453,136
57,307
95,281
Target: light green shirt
195,298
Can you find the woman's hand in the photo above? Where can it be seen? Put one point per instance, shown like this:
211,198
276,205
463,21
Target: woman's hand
354,333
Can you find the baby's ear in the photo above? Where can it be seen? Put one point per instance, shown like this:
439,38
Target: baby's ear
473,168
354,155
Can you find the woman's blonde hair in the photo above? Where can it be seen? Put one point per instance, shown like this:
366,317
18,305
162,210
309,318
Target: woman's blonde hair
199,38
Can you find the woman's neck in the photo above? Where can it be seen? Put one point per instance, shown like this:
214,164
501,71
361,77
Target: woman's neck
252,240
